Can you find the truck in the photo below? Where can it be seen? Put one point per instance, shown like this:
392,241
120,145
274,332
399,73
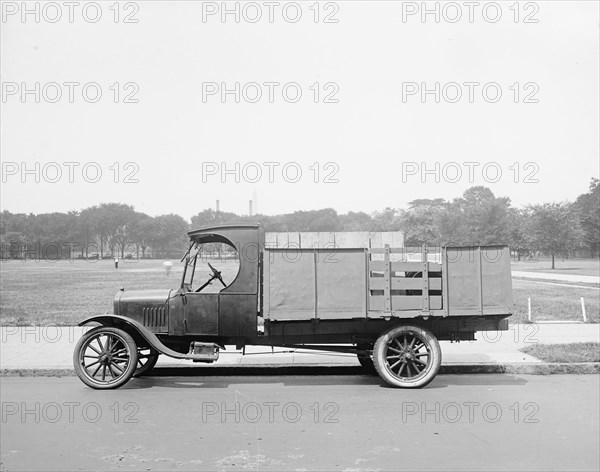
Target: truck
388,306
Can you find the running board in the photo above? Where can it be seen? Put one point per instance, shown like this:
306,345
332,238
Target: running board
203,352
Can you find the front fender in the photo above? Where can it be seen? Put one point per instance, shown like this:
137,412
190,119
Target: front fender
149,337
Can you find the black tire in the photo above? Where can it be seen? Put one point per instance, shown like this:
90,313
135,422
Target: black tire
146,360
398,355
109,351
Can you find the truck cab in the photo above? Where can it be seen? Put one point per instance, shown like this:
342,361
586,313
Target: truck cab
231,311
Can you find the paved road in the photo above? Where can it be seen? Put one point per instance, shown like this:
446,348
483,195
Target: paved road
477,422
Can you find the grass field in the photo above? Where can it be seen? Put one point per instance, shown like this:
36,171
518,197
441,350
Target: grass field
63,293
572,352
568,266
554,302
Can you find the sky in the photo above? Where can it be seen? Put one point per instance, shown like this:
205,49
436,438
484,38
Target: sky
353,105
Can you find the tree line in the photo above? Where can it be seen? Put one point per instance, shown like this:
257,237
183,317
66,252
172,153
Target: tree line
477,217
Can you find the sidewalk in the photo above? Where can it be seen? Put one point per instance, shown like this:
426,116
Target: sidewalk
588,279
51,348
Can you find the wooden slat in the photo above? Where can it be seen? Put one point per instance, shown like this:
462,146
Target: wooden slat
376,303
403,302
386,280
381,250
445,277
405,266
404,283
403,250
315,275
367,275
435,283
377,265
425,292
480,273
415,266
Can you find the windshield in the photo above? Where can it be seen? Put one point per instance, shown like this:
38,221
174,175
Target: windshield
208,262
190,266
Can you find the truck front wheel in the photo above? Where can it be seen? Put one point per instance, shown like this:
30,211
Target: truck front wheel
407,356
105,358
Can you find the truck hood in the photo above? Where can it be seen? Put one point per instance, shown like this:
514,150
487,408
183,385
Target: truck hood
131,302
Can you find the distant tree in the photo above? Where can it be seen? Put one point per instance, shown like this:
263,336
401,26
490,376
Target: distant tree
387,220
312,220
355,221
116,222
588,205
518,238
554,228
89,234
483,218
421,221
210,217
168,234
53,235
140,232
14,244
13,222
322,220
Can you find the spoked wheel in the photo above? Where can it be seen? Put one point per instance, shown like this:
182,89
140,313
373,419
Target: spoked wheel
146,360
407,356
105,358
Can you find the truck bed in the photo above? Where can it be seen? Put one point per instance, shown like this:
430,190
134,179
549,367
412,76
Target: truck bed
347,283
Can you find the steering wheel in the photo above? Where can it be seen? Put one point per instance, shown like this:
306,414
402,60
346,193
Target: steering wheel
215,275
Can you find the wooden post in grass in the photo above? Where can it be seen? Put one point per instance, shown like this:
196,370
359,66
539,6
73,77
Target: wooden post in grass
583,310
529,309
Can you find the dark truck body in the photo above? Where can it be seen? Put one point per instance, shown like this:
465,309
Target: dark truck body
334,299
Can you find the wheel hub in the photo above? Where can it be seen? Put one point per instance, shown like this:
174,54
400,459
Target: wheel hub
106,358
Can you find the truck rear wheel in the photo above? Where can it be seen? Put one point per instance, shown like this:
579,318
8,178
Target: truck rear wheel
105,358
407,356
146,360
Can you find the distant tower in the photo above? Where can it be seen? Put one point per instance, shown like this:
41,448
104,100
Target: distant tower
217,206
255,200
249,207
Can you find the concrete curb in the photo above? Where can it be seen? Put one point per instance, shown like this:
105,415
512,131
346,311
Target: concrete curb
538,368
525,368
